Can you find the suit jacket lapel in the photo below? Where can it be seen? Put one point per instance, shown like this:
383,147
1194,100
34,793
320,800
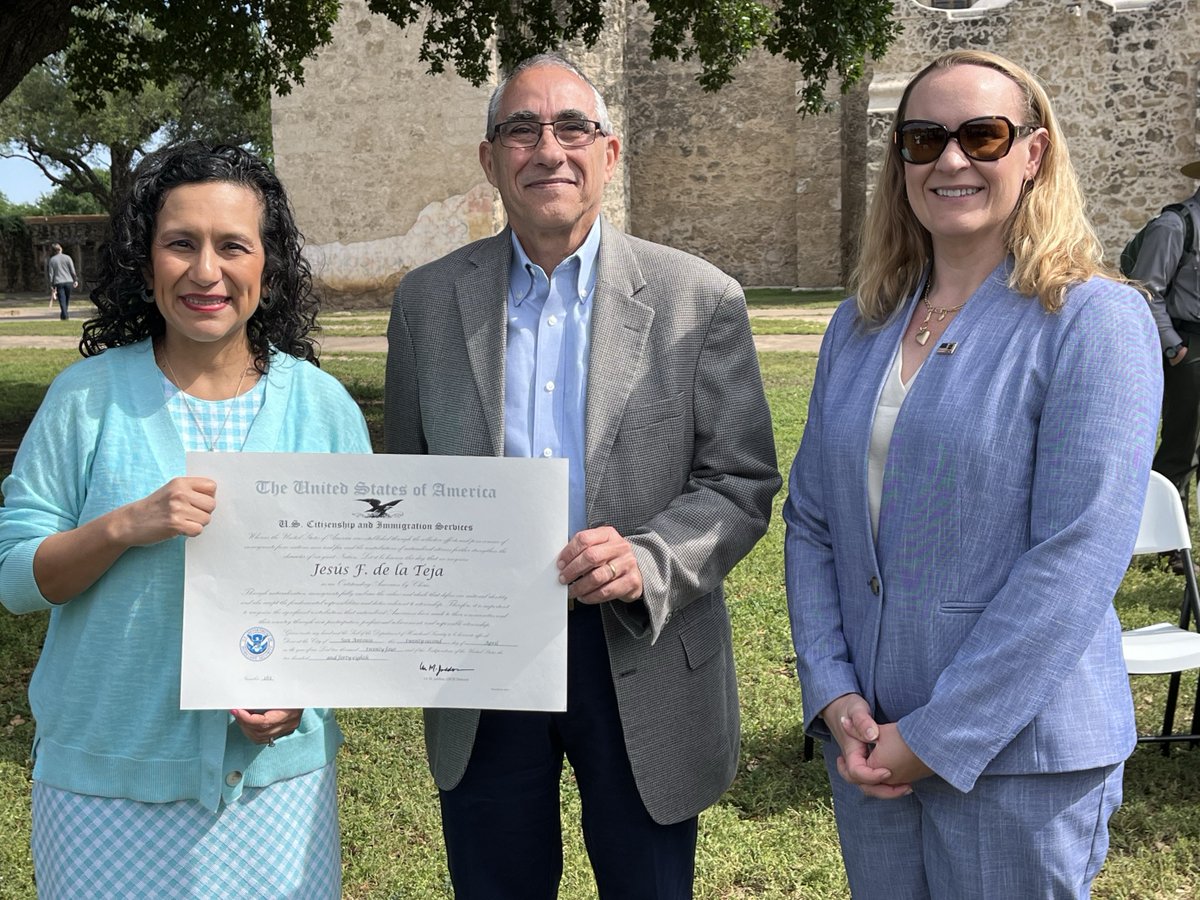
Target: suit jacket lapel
620,328
482,304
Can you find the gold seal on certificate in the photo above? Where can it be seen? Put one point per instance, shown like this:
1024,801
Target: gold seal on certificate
358,580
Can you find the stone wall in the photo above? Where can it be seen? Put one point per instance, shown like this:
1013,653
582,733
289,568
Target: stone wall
23,256
725,175
1122,76
381,159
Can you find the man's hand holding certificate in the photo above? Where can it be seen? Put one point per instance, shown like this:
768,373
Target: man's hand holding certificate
354,580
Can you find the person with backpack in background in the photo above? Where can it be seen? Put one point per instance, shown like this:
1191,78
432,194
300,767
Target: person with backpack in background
1163,258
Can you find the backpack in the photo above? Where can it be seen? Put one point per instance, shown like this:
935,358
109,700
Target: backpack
1130,254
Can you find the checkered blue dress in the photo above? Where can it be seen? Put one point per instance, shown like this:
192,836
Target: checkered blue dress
223,423
274,842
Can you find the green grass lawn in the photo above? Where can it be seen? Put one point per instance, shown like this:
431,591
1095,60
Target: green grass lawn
373,322
771,836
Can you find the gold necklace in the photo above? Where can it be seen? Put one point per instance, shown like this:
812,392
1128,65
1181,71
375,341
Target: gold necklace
212,444
922,334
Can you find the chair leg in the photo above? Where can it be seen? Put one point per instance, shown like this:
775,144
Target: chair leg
1169,712
1195,714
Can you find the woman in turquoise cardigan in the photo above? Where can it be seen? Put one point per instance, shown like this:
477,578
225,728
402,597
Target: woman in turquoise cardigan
201,342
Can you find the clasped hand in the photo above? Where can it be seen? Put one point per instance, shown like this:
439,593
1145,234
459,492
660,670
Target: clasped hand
873,756
263,726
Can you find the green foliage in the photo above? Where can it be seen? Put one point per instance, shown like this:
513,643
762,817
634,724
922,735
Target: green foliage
256,46
250,47
12,225
10,216
826,36
63,201
47,121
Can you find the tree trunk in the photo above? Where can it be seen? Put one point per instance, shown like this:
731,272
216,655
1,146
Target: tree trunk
30,30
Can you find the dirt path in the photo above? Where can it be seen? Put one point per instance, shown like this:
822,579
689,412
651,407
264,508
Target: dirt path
334,344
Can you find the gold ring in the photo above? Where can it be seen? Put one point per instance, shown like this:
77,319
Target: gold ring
612,571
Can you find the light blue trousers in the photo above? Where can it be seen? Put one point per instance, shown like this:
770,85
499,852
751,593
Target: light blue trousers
1033,837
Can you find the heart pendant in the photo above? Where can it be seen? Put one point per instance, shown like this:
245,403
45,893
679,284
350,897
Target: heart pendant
922,335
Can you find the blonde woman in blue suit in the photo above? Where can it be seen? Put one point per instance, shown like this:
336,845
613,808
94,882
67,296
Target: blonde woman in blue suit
963,506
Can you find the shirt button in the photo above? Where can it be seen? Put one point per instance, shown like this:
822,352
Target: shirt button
549,385
233,778
874,585
552,320
547,452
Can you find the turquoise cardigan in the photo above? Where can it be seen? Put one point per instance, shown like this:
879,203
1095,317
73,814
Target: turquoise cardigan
105,692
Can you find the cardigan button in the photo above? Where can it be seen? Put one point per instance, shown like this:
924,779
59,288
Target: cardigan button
233,778
874,585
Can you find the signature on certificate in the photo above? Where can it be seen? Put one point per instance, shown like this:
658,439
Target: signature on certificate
438,668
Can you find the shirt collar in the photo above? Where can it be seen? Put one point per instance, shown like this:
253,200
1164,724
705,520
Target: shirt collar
581,265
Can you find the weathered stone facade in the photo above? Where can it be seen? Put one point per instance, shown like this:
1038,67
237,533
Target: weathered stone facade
1122,75
381,159
23,256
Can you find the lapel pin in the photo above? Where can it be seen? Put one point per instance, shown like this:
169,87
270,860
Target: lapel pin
947,348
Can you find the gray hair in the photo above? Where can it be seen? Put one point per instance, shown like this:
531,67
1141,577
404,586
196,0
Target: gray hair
534,62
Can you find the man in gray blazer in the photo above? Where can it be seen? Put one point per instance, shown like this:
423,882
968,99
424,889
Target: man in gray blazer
561,336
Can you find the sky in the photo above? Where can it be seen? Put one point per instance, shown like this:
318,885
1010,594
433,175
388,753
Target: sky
21,181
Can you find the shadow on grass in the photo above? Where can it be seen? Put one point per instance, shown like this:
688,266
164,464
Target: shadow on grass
20,643
773,776
1160,808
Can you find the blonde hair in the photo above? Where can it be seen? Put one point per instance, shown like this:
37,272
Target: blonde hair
1048,234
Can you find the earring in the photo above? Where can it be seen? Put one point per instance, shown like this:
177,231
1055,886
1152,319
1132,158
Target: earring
265,301
147,296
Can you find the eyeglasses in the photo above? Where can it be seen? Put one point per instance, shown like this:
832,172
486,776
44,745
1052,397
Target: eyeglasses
985,139
525,134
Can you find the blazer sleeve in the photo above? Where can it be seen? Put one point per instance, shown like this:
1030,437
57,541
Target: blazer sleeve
822,655
1155,268
402,429
1095,442
686,551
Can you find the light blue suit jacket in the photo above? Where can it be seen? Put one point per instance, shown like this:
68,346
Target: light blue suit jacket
981,620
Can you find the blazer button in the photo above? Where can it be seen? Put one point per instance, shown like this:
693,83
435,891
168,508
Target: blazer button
874,583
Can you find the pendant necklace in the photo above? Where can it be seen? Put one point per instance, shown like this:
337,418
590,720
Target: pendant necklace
212,444
922,334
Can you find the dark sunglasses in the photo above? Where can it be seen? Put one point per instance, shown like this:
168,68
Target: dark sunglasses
985,139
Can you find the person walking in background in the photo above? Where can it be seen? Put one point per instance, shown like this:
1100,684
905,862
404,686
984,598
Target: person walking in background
964,504
60,272
1168,267
200,342
563,337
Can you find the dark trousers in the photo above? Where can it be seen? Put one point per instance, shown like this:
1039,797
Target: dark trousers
502,824
1177,452
63,291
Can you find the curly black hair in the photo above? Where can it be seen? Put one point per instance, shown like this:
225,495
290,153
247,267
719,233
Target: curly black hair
124,316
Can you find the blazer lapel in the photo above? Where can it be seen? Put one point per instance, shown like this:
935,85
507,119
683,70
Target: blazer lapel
482,304
620,328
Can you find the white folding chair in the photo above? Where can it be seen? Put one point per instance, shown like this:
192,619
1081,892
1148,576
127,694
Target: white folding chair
1164,648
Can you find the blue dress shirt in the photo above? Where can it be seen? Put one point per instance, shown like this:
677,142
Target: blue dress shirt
546,362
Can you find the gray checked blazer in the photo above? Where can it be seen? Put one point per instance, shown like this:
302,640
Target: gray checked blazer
680,459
